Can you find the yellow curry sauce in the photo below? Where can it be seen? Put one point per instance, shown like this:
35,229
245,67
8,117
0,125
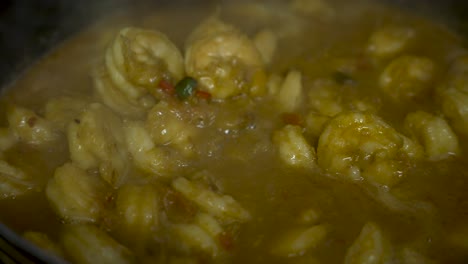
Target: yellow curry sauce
300,131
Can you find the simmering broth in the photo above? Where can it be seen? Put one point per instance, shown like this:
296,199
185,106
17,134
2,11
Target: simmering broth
300,131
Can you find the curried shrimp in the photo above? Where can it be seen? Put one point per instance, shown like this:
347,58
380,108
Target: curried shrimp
224,60
135,63
138,59
168,126
97,141
146,155
29,127
117,100
453,95
14,182
362,146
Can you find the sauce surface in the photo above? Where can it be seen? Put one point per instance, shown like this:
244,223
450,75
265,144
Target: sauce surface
316,132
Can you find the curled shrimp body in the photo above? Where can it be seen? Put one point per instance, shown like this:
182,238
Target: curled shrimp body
97,140
138,59
362,146
224,60
146,155
168,126
117,100
453,95
135,63
14,182
29,127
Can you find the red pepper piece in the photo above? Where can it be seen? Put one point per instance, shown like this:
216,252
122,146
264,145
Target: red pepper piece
203,94
166,87
292,119
226,241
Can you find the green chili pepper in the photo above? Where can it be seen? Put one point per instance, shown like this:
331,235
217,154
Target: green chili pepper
186,87
343,78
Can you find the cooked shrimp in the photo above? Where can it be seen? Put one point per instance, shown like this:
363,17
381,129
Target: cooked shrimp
136,62
224,60
370,247
137,207
61,111
168,126
97,140
201,235
116,99
221,206
389,41
29,127
146,155
453,95
290,94
138,59
293,148
85,243
13,181
76,196
298,241
192,237
363,146
407,77
434,133
325,97
329,98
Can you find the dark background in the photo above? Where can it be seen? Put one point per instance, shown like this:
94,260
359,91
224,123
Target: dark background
28,28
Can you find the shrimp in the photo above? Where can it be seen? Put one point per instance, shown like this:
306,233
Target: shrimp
329,98
370,247
224,60
29,127
138,209
221,206
389,41
407,77
168,125
434,133
14,182
453,95
362,146
293,148
76,196
86,243
138,59
201,235
135,63
117,100
298,241
290,94
146,155
314,125
96,140
61,111
325,97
